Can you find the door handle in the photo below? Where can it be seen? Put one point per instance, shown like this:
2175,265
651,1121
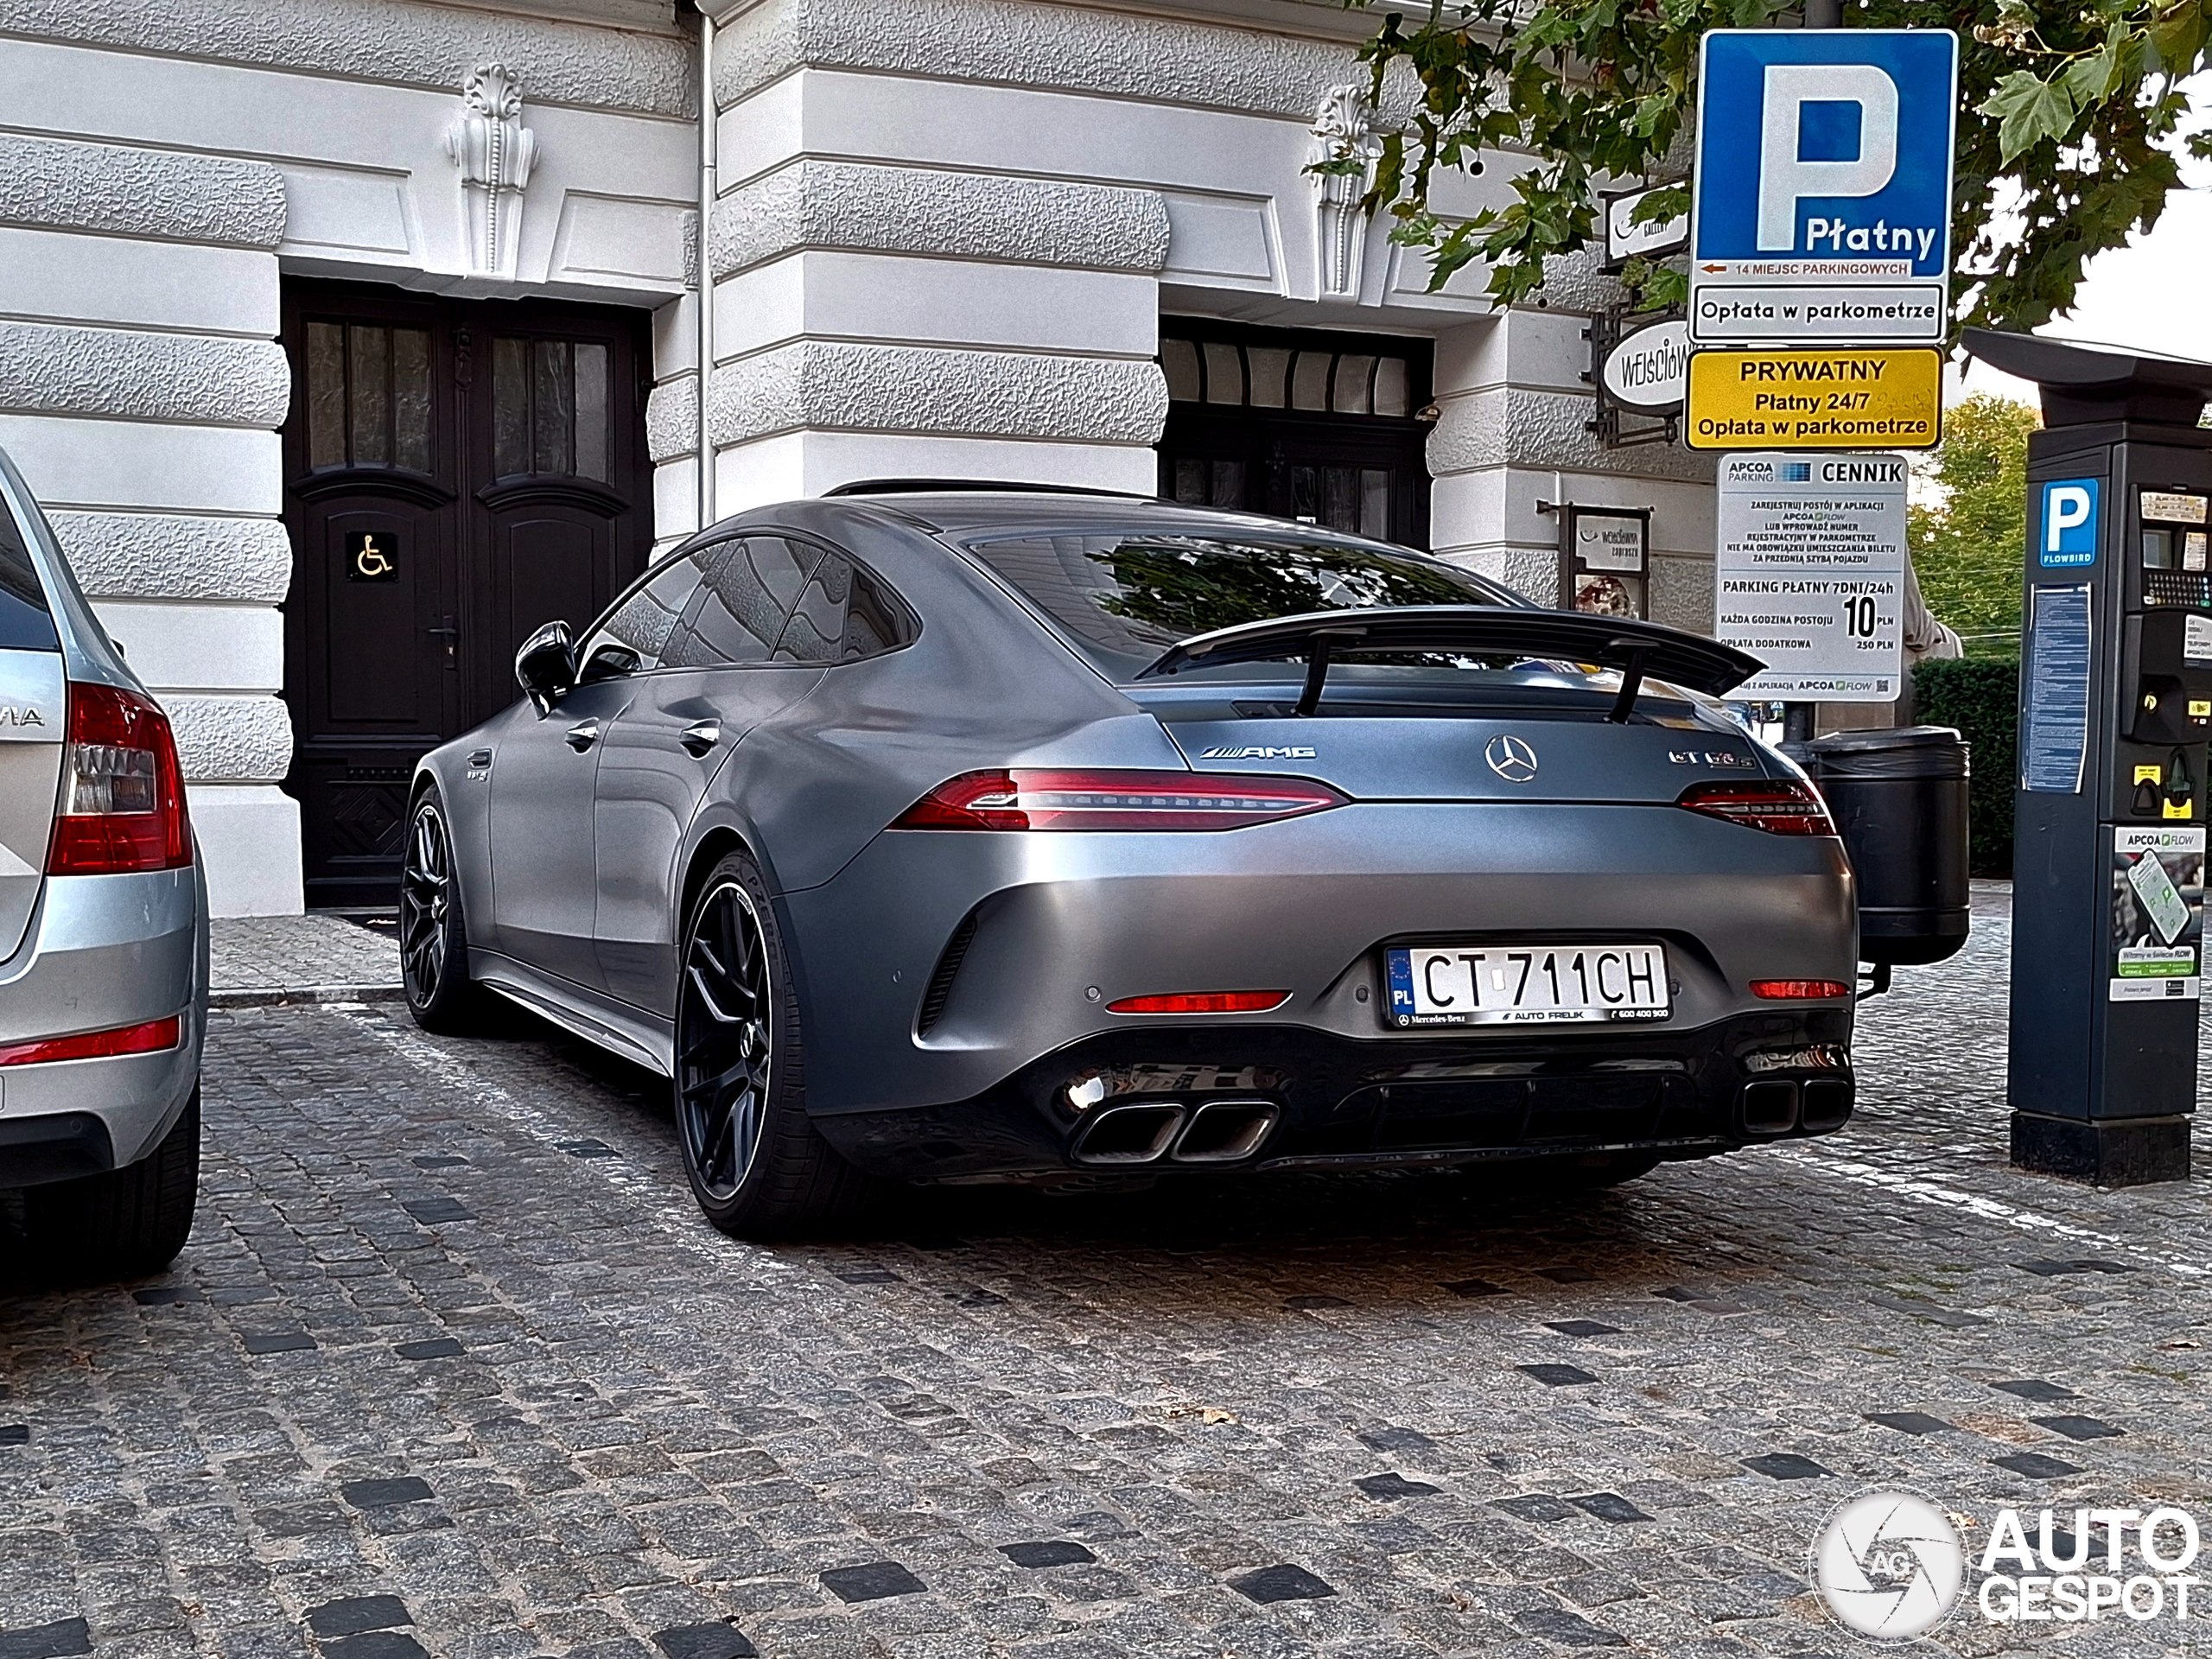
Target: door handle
451,635
582,736
701,735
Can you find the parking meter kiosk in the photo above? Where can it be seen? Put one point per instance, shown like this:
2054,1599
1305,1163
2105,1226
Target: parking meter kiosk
2109,807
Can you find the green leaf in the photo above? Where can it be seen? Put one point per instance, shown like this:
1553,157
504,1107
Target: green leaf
2029,111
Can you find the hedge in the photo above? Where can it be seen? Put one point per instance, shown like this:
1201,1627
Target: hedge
1982,699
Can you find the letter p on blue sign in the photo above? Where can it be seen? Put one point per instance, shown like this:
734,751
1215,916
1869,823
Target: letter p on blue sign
2067,533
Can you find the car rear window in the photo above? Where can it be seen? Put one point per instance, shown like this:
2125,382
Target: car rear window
26,624
1128,596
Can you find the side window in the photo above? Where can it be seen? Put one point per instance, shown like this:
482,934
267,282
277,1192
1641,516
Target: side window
847,612
746,590
637,635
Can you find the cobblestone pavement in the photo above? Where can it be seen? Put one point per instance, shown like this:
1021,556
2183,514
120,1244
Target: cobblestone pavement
271,959
452,1366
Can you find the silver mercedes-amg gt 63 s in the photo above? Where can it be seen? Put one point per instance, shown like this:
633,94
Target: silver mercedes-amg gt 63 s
941,833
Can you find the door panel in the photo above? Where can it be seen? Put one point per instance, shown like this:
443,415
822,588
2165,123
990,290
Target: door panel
542,871
649,790
493,453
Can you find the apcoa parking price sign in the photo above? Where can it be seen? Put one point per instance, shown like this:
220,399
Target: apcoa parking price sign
1880,396
1810,577
1821,206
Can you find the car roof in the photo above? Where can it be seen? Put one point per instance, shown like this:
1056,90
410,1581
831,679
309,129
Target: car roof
966,515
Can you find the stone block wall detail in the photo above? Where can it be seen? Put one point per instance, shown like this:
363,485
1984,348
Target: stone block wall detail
392,41
175,555
1024,44
142,376
123,190
231,740
826,204
839,384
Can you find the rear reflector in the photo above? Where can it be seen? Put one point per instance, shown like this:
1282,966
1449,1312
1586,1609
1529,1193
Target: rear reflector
1113,800
1781,808
150,1039
122,804
1799,991
1202,1002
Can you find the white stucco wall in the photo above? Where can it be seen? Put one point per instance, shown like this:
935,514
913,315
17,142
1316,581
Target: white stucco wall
169,164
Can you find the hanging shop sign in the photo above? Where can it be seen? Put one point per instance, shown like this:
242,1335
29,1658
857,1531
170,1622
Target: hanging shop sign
1626,239
1649,369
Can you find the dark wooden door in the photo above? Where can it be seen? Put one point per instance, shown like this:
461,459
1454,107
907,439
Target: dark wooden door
456,474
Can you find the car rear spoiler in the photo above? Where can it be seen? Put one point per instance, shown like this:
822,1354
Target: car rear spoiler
1634,647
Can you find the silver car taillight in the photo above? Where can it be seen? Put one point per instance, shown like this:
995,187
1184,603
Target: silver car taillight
122,802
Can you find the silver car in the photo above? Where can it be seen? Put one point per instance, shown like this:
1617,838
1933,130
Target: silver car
957,835
103,929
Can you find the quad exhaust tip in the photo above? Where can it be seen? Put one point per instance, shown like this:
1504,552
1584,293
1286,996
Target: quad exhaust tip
1213,1132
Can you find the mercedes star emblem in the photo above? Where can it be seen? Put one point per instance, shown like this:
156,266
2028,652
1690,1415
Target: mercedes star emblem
1511,759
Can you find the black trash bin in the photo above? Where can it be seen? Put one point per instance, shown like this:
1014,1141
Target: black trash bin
1899,801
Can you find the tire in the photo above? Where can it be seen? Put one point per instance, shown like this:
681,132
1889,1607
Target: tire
755,1163
125,1223
434,928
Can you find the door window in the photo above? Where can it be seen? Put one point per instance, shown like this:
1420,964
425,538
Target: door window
368,396
635,638
550,407
746,590
847,612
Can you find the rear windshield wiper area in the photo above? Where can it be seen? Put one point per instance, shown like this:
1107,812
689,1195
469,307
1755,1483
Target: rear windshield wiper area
1635,648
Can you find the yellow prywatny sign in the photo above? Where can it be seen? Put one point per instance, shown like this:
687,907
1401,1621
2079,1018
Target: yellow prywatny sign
1881,397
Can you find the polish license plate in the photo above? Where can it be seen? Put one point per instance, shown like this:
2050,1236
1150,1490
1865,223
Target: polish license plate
1524,984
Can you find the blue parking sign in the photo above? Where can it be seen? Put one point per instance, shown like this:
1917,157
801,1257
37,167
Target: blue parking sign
1827,145
2066,524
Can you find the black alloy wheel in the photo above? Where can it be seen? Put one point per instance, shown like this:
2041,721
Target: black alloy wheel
432,940
756,1162
725,1041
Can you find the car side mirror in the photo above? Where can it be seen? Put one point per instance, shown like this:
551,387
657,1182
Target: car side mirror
546,666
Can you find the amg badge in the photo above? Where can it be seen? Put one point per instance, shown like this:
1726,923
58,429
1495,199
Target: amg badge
1259,752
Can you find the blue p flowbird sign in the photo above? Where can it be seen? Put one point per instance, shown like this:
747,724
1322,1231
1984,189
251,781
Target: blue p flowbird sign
2066,530
1821,207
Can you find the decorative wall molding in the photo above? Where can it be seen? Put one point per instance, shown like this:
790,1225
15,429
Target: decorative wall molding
495,153
392,41
231,740
175,555
916,210
672,419
841,385
58,184
57,369
1027,43
1519,426
1347,140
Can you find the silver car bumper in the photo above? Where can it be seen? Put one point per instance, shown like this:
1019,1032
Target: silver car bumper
102,951
1067,922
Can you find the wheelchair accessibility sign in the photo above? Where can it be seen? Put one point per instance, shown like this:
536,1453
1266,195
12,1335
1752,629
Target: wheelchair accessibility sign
1821,206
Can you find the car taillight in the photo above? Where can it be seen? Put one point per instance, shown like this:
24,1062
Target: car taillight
1784,808
1799,991
150,1038
1113,800
121,803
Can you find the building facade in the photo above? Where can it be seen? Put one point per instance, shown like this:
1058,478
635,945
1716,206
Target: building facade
348,340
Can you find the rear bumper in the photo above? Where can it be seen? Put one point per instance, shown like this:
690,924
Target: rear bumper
102,951
1064,924
1310,1100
